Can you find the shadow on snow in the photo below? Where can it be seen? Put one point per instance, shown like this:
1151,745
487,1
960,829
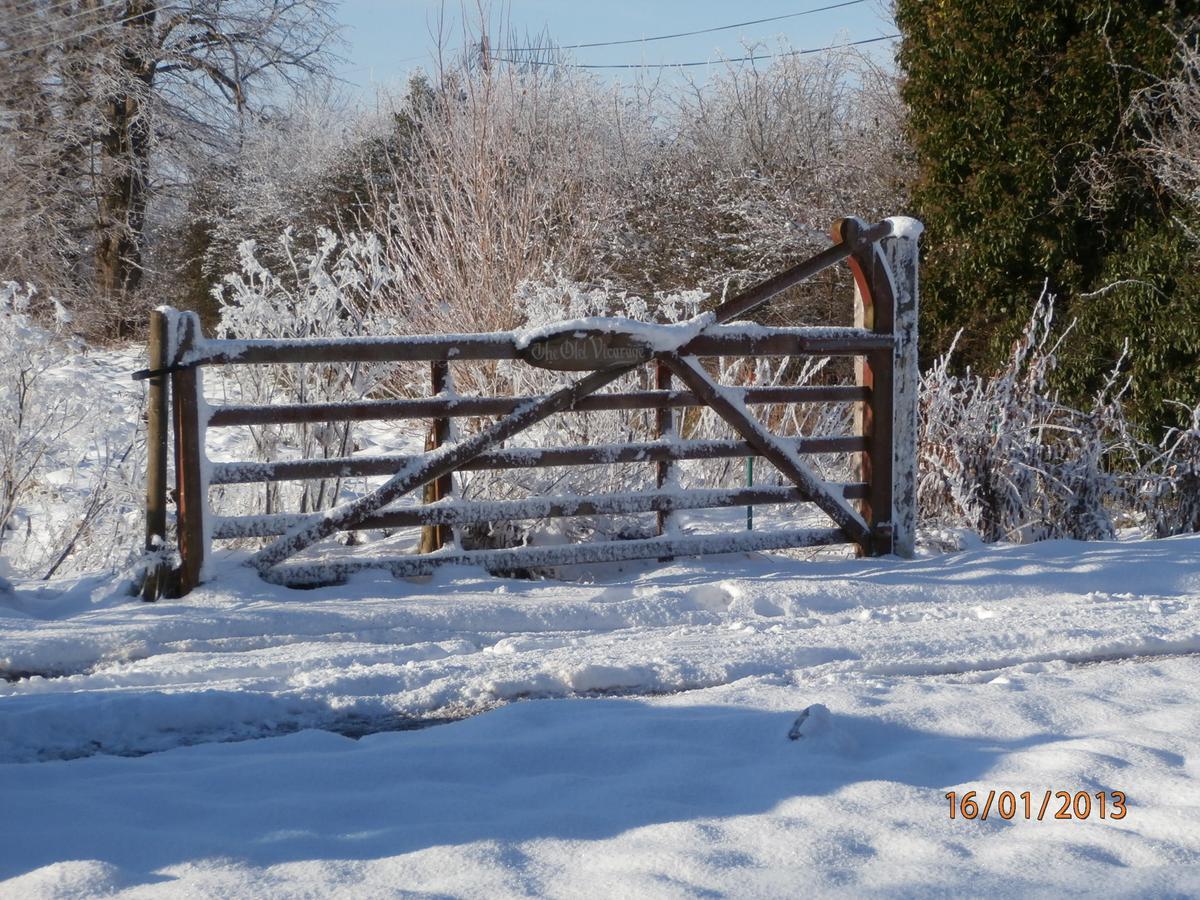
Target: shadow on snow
560,769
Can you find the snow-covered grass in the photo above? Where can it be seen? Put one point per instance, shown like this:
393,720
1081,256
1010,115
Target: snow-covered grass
624,736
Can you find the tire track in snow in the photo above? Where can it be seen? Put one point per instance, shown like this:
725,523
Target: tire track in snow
239,659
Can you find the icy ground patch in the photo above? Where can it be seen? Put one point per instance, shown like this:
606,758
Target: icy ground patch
627,737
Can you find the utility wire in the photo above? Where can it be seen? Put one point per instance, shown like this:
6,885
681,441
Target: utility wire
707,62
667,37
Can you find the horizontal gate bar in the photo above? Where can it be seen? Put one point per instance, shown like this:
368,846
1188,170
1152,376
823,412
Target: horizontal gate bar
328,572
729,340
469,513
520,458
787,342
279,414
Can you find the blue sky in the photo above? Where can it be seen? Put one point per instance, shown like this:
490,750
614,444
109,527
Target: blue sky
386,39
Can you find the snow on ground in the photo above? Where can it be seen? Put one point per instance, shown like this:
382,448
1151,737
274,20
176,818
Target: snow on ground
626,736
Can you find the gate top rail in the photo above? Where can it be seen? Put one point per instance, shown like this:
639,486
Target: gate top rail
851,236
717,340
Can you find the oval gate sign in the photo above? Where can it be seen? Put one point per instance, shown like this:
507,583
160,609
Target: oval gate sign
582,350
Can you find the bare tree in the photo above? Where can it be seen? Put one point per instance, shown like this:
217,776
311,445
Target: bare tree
757,163
503,176
107,102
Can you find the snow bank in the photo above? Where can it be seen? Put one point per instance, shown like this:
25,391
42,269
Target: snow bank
630,732
241,658
696,794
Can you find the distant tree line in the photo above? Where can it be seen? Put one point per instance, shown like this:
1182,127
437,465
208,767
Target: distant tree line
141,144
478,180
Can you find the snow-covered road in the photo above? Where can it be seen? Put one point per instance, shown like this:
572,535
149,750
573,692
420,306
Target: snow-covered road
649,753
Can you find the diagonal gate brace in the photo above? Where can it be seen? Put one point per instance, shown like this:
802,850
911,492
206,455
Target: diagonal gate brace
427,467
784,458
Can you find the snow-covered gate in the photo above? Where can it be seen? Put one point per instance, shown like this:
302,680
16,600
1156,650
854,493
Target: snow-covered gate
877,513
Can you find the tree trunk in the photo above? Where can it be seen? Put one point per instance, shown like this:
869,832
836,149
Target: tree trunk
125,163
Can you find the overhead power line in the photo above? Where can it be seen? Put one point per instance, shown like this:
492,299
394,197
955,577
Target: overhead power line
704,62
667,37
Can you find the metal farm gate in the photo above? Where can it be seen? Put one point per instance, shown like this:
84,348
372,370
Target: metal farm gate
877,512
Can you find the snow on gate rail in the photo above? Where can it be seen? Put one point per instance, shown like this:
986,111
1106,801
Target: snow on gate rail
876,512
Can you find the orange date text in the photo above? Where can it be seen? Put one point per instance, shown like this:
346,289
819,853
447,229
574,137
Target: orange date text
1071,805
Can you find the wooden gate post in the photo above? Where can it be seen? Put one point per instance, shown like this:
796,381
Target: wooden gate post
874,310
434,537
191,488
154,581
664,426
901,252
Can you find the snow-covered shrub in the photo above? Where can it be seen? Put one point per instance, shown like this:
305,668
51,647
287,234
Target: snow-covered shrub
1003,456
742,175
475,179
486,178
1167,492
319,295
71,455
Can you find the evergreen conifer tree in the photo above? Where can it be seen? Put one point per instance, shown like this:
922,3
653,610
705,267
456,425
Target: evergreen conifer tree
1028,174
